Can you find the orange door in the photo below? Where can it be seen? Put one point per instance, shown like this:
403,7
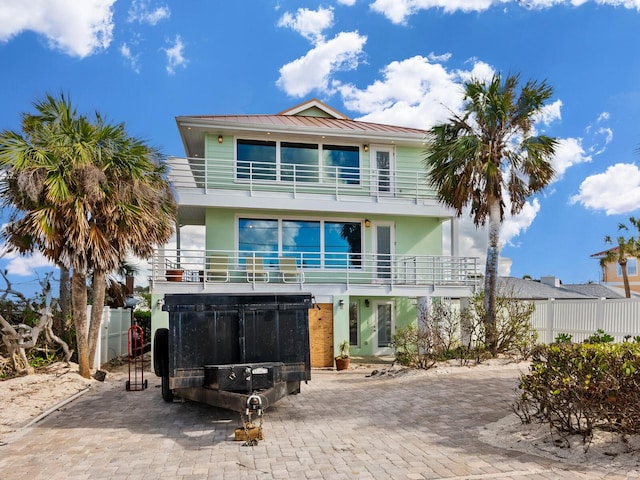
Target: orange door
321,335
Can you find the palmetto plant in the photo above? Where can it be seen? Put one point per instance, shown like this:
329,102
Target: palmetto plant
488,152
85,194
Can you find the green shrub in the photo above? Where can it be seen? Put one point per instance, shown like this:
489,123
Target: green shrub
578,387
563,338
600,337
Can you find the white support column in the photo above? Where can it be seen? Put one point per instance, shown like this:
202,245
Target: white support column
455,233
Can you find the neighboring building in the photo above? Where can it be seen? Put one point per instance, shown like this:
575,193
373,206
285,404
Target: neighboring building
551,287
310,200
612,273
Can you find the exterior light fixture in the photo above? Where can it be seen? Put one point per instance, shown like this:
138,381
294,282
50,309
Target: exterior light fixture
367,223
220,139
365,147
341,303
366,302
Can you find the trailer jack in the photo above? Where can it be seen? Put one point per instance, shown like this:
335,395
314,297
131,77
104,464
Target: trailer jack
250,432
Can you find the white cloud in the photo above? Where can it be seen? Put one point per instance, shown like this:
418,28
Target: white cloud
551,112
602,137
131,58
140,12
308,23
473,240
175,55
412,92
348,3
313,71
616,191
25,266
569,152
399,10
78,29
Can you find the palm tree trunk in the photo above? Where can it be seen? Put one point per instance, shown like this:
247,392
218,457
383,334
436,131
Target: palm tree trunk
491,277
65,296
79,302
625,279
99,287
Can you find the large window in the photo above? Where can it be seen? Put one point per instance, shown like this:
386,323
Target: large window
632,268
259,237
298,162
256,160
342,244
342,162
301,239
314,243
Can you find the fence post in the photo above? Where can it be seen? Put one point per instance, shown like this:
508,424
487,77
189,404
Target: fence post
550,319
600,314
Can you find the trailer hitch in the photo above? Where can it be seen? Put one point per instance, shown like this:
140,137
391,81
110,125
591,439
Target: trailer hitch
249,431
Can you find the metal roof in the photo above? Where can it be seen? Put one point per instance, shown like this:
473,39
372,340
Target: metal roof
305,122
330,125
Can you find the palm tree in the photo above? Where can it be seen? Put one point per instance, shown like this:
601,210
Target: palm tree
85,194
627,247
486,153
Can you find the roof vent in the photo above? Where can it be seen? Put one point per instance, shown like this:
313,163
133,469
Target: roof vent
550,280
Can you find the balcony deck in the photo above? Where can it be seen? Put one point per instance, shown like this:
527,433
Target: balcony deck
224,183
233,271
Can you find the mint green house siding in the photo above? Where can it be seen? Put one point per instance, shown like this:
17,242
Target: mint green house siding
345,210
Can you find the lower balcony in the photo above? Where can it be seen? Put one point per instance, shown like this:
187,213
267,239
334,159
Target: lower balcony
324,273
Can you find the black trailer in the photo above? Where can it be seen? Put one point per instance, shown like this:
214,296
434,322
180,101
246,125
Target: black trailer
240,352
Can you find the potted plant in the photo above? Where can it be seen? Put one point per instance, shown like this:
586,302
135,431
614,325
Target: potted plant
174,274
342,360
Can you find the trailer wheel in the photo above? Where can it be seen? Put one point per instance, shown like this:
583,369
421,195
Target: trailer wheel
167,394
161,352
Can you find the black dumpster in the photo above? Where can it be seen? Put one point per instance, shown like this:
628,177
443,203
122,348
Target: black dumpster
219,349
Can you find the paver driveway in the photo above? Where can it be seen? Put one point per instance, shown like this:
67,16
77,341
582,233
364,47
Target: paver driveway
342,426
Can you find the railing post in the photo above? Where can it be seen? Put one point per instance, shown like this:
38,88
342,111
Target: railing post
251,178
206,175
295,180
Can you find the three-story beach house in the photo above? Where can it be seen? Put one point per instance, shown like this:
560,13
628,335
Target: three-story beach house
309,200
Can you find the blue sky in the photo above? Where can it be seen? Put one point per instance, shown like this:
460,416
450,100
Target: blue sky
144,62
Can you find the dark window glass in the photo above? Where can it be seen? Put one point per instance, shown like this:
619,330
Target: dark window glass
342,244
259,236
353,323
299,162
342,162
256,160
301,239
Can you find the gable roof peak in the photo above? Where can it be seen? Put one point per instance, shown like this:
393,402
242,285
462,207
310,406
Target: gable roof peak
314,108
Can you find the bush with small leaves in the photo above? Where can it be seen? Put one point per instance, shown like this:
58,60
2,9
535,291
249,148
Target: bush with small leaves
578,387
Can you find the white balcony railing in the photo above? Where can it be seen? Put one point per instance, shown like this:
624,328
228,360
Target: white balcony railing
223,266
225,175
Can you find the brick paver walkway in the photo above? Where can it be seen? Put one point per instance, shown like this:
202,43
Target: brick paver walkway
342,426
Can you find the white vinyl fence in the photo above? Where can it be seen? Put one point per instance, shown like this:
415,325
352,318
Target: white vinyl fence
581,318
113,333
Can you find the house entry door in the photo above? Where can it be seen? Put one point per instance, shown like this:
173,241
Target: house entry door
382,169
384,327
383,248
321,335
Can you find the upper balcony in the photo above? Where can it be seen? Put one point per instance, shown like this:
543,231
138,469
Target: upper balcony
321,273
201,182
